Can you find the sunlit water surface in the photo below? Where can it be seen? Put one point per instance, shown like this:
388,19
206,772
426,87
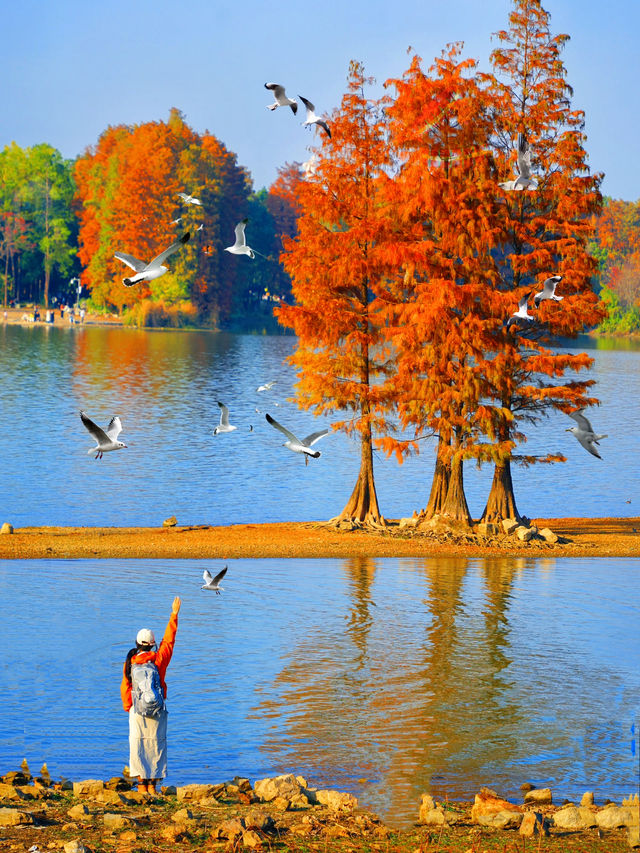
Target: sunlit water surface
164,385
384,677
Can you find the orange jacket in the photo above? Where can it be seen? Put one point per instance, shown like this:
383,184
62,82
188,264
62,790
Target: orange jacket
161,658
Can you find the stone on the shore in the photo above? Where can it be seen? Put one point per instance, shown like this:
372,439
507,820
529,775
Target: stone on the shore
574,817
16,777
539,797
118,821
11,792
182,816
337,801
524,534
532,824
487,529
229,829
251,839
118,783
192,793
113,798
259,820
76,847
509,525
633,837
548,535
6,528
614,817
14,817
286,785
88,788
173,833
587,799
491,810
79,812
429,814
408,522
170,522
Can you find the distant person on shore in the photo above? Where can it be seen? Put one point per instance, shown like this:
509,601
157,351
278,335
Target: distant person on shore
144,690
82,313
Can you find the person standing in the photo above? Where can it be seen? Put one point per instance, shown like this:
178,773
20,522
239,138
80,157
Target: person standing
143,690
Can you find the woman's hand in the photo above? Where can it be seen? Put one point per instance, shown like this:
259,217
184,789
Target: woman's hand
175,607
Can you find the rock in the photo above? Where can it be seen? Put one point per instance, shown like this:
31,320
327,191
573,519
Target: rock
119,783
88,787
117,821
574,817
504,819
281,803
487,529
113,798
251,839
299,801
14,817
548,535
509,525
170,522
587,799
613,817
173,833
76,847
278,786
487,802
539,797
192,793
6,528
408,522
259,820
532,824
337,800
524,534
79,812
17,777
633,837
244,785
10,792
182,816
229,829
128,837
429,814
168,790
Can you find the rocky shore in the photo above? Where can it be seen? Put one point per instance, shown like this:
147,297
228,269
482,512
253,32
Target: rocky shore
288,813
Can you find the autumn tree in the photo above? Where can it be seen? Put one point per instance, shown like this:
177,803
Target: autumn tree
445,313
543,232
337,279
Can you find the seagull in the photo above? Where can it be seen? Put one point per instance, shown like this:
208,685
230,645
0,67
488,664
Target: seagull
524,180
267,386
521,314
584,432
240,246
310,166
154,269
105,441
294,443
224,425
213,583
312,118
281,99
548,290
189,199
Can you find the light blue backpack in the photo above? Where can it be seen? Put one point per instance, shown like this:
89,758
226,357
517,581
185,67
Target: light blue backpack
146,689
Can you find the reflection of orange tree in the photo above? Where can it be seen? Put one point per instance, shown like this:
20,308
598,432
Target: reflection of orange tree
413,702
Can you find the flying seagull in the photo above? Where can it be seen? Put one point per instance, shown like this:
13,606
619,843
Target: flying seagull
105,441
521,315
281,99
240,246
294,443
548,290
189,199
312,118
224,425
213,583
524,180
267,386
584,432
155,268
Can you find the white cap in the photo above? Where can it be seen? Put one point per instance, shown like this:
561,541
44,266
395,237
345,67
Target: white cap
145,636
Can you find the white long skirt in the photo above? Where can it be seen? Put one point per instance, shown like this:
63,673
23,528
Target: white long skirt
148,745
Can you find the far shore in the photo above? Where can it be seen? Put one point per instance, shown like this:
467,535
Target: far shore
581,537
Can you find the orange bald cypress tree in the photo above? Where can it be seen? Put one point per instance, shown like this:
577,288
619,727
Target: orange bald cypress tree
337,278
545,231
445,314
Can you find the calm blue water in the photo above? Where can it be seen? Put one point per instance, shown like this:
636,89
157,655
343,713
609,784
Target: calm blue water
164,386
385,677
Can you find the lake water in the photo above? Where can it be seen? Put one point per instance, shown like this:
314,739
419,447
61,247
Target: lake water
384,677
164,385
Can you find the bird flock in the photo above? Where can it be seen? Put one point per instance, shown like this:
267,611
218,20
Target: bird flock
107,440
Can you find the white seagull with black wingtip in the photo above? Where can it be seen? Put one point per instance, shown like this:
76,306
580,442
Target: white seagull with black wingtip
584,432
105,440
521,315
240,246
224,425
189,199
154,269
548,291
312,118
524,179
281,99
297,445
213,583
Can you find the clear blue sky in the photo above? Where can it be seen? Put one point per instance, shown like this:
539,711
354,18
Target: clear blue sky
72,68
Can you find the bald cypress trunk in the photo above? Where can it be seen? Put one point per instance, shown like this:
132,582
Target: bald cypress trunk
362,506
455,505
501,502
439,484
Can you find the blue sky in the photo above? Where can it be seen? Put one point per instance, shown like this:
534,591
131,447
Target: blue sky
72,68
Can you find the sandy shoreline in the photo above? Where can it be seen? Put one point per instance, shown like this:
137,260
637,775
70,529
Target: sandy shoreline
599,537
